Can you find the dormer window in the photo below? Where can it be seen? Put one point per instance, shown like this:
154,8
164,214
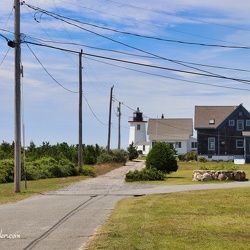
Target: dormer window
211,121
240,113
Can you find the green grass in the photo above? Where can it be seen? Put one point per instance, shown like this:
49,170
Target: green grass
188,220
34,187
212,219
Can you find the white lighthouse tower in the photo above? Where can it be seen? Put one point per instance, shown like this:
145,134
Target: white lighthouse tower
137,132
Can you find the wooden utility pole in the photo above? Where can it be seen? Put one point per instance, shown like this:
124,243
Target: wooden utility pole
17,101
109,125
80,162
119,125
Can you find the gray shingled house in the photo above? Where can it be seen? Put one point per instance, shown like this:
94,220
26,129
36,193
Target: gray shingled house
223,132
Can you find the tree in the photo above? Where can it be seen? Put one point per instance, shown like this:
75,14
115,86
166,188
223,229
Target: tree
132,151
162,157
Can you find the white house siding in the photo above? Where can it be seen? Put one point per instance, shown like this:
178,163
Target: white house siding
144,148
186,145
136,135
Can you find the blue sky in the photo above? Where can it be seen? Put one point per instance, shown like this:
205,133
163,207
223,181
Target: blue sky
50,113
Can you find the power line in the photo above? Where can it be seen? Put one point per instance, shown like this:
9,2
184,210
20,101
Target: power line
5,56
167,77
75,92
59,17
133,54
93,112
246,81
150,66
158,26
173,15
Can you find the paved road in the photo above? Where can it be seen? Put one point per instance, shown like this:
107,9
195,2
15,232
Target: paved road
67,218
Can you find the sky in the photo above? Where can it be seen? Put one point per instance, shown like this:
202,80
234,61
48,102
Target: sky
165,58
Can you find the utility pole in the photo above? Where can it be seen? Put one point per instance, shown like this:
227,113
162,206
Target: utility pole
17,101
109,125
119,125
80,115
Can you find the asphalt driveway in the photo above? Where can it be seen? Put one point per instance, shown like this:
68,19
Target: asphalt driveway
68,217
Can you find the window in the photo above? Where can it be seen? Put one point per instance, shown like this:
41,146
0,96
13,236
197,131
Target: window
240,113
231,123
194,144
211,143
239,144
143,147
178,144
240,125
247,122
211,121
138,127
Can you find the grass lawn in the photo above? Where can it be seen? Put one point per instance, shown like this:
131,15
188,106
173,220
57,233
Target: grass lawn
212,219
34,187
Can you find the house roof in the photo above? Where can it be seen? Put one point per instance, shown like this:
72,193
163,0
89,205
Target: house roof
211,116
170,129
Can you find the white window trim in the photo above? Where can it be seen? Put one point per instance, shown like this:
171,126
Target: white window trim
242,122
237,141
210,140
247,122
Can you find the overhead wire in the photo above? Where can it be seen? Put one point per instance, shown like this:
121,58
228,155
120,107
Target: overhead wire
181,17
154,74
158,26
59,17
71,91
246,81
133,54
172,78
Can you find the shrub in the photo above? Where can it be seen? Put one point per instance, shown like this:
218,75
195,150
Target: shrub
132,152
49,168
202,159
105,158
88,171
6,171
161,157
117,155
190,156
145,174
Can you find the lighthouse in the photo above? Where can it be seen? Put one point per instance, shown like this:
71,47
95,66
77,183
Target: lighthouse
137,131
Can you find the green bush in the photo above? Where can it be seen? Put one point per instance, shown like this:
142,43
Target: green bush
117,155
145,174
6,171
190,156
202,159
88,171
49,168
161,157
132,152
